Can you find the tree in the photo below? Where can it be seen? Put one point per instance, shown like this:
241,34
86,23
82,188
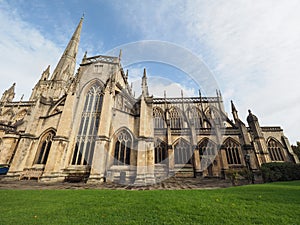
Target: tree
296,149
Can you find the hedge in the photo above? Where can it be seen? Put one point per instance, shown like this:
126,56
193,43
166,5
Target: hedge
280,171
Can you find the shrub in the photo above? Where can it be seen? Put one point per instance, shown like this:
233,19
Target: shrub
247,174
280,171
233,175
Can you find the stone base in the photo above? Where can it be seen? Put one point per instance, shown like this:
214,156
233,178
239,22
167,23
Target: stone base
10,177
144,180
198,174
52,178
96,179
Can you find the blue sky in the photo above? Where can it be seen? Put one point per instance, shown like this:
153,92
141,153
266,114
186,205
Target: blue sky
251,47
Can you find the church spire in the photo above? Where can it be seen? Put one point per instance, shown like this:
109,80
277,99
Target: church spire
144,84
234,112
66,65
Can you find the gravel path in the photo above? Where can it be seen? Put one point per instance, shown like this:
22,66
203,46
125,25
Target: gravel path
169,184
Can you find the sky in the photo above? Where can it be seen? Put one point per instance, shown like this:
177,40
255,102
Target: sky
252,48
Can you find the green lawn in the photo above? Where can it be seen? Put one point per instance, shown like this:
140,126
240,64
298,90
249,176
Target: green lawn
276,203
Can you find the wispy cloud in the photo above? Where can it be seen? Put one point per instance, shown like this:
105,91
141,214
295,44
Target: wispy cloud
25,52
157,84
252,47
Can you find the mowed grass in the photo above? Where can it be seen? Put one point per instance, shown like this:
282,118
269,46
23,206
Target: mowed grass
276,203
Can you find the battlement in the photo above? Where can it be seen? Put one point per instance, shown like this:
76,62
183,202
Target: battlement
100,58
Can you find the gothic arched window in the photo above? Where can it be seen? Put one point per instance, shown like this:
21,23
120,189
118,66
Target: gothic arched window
195,117
175,118
182,152
232,152
160,151
44,148
123,148
275,151
207,148
87,133
158,118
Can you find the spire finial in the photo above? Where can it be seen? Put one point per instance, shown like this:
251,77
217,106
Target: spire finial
234,112
120,54
82,16
233,109
144,84
84,57
69,56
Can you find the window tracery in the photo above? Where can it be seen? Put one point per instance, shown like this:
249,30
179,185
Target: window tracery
158,118
195,117
44,148
232,152
89,125
275,151
175,118
182,152
160,151
123,148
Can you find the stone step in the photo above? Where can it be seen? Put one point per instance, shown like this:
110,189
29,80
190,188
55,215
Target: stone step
184,171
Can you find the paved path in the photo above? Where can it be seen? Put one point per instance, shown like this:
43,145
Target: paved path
169,184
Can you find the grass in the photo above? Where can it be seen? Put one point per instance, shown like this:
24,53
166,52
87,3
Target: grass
276,203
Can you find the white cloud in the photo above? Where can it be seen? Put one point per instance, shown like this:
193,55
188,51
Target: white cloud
253,48
25,53
157,84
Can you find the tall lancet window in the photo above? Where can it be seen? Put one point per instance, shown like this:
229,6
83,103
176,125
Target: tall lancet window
182,152
44,148
207,148
175,118
161,151
195,117
87,133
158,118
232,152
123,147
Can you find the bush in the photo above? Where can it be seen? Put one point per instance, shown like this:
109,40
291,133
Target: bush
233,175
247,174
280,171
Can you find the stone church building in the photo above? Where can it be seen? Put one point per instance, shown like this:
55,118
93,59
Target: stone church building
89,125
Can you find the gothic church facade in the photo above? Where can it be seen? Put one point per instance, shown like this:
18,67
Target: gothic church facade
90,125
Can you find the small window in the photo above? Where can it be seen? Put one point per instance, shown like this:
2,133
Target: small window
160,151
123,147
98,68
44,148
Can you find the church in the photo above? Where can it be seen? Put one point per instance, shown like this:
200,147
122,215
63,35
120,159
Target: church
86,125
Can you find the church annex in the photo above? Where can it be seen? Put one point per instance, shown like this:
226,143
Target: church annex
88,124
